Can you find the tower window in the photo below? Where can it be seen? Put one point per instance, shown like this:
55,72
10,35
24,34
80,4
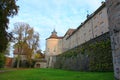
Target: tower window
48,49
54,49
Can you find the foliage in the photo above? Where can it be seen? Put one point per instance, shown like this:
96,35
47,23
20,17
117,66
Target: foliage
38,55
88,57
27,41
70,53
101,58
24,64
2,60
8,8
54,74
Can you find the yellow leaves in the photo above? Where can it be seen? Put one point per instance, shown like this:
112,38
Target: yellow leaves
27,40
38,55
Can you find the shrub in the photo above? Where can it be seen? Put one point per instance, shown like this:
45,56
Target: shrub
2,60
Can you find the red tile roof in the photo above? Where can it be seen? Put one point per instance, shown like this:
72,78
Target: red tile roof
69,32
54,35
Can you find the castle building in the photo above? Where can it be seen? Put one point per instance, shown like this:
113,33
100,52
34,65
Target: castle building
95,25
53,47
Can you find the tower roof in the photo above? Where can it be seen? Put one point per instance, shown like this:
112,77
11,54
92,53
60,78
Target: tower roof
54,35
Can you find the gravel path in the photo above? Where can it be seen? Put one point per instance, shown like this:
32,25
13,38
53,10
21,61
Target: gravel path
1,71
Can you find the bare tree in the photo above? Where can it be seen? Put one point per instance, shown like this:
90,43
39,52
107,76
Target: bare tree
27,41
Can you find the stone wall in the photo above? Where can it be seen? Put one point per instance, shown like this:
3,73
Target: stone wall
114,22
40,65
95,25
94,55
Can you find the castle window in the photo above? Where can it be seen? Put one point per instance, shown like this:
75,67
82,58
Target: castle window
95,18
95,26
84,34
88,22
89,30
54,49
102,32
48,49
100,14
101,23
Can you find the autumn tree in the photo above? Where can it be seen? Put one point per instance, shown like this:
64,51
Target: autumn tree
8,8
39,55
27,41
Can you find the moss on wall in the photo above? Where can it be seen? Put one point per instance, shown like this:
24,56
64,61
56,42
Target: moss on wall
95,56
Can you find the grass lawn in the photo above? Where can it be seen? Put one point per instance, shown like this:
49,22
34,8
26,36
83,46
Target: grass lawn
54,74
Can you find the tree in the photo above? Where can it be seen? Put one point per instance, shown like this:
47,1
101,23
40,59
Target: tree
27,41
2,56
39,55
33,44
7,51
2,60
8,8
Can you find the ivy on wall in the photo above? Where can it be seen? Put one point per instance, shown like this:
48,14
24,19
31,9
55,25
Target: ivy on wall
100,56
95,56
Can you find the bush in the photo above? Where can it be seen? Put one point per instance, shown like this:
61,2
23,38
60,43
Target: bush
24,64
2,60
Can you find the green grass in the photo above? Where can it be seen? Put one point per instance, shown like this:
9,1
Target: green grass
54,74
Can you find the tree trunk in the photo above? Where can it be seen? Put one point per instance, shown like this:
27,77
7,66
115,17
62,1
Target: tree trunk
114,26
18,61
19,57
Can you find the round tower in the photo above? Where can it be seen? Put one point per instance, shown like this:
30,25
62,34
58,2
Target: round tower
53,48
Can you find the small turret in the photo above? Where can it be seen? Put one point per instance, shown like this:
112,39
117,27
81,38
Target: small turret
54,34
88,14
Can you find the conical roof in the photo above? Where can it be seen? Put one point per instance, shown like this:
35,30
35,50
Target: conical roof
54,35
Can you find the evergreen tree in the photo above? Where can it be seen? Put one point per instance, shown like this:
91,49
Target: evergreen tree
8,8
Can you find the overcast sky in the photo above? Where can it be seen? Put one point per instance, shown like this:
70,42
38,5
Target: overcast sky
45,15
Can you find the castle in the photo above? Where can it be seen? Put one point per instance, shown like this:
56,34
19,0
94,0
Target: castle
94,26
